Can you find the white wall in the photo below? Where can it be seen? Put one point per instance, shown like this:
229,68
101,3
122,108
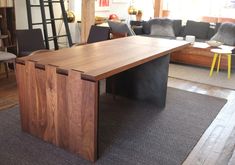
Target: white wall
194,9
119,9
21,14
22,21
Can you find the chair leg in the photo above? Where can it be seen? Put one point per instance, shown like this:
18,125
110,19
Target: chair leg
113,88
218,65
6,69
213,64
14,65
229,65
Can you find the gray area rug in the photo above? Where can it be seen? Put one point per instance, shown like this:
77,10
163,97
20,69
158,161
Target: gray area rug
201,75
130,133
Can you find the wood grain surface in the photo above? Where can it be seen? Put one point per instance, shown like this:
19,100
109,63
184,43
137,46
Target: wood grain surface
58,90
101,60
60,109
199,55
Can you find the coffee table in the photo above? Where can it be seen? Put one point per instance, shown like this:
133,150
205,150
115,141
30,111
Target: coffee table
197,54
218,53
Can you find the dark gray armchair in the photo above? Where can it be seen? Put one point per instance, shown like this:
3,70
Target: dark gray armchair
29,41
225,34
98,33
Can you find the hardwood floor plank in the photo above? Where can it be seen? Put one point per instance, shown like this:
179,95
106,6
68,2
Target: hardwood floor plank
227,150
232,160
211,145
8,91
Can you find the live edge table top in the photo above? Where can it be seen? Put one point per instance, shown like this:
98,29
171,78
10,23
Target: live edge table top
103,59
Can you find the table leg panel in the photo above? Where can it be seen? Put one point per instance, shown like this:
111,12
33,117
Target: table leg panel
83,110
62,112
32,97
41,101
146,82
89,119
60,109
23,98
74,86
50,134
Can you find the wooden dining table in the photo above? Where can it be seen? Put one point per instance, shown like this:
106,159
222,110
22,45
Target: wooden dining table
59,90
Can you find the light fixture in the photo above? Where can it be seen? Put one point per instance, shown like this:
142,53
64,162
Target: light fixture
70,14
132,10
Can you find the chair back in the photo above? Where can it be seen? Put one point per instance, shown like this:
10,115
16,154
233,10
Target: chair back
122,28
98,33
29,41
115,35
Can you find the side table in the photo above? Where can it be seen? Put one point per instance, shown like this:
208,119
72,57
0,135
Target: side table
218,53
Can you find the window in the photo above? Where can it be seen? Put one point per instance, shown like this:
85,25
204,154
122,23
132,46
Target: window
195,9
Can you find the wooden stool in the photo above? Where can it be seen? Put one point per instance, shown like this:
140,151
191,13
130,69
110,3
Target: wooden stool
6,57
219,53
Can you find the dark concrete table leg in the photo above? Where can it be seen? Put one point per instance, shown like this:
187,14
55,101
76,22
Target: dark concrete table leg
147,82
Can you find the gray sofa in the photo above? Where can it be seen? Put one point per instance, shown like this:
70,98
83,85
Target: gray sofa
203,31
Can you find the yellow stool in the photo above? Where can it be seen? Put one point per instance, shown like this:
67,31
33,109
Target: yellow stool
219,53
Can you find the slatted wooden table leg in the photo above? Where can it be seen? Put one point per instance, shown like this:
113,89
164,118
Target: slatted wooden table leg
60,109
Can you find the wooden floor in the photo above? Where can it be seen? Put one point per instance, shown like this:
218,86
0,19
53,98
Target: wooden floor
8,91
216,146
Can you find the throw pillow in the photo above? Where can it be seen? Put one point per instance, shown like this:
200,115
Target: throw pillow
146,27
225,34
162,28
177,26
119,27
211,32
197,29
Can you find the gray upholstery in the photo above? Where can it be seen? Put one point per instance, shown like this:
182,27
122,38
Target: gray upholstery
98,33
119,27
197,29
177,25
225,34
203,31
217,25
146,27
164,28
29,41
211,32
6,56
138,30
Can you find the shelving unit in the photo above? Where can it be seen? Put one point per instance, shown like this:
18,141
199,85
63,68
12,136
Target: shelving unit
7,24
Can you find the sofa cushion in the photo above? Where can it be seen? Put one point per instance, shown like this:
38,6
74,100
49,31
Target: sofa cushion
146,27
182,31
119,27
162,27
177,25
217,25
165,30
197,29
225,34
138,30
211,33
